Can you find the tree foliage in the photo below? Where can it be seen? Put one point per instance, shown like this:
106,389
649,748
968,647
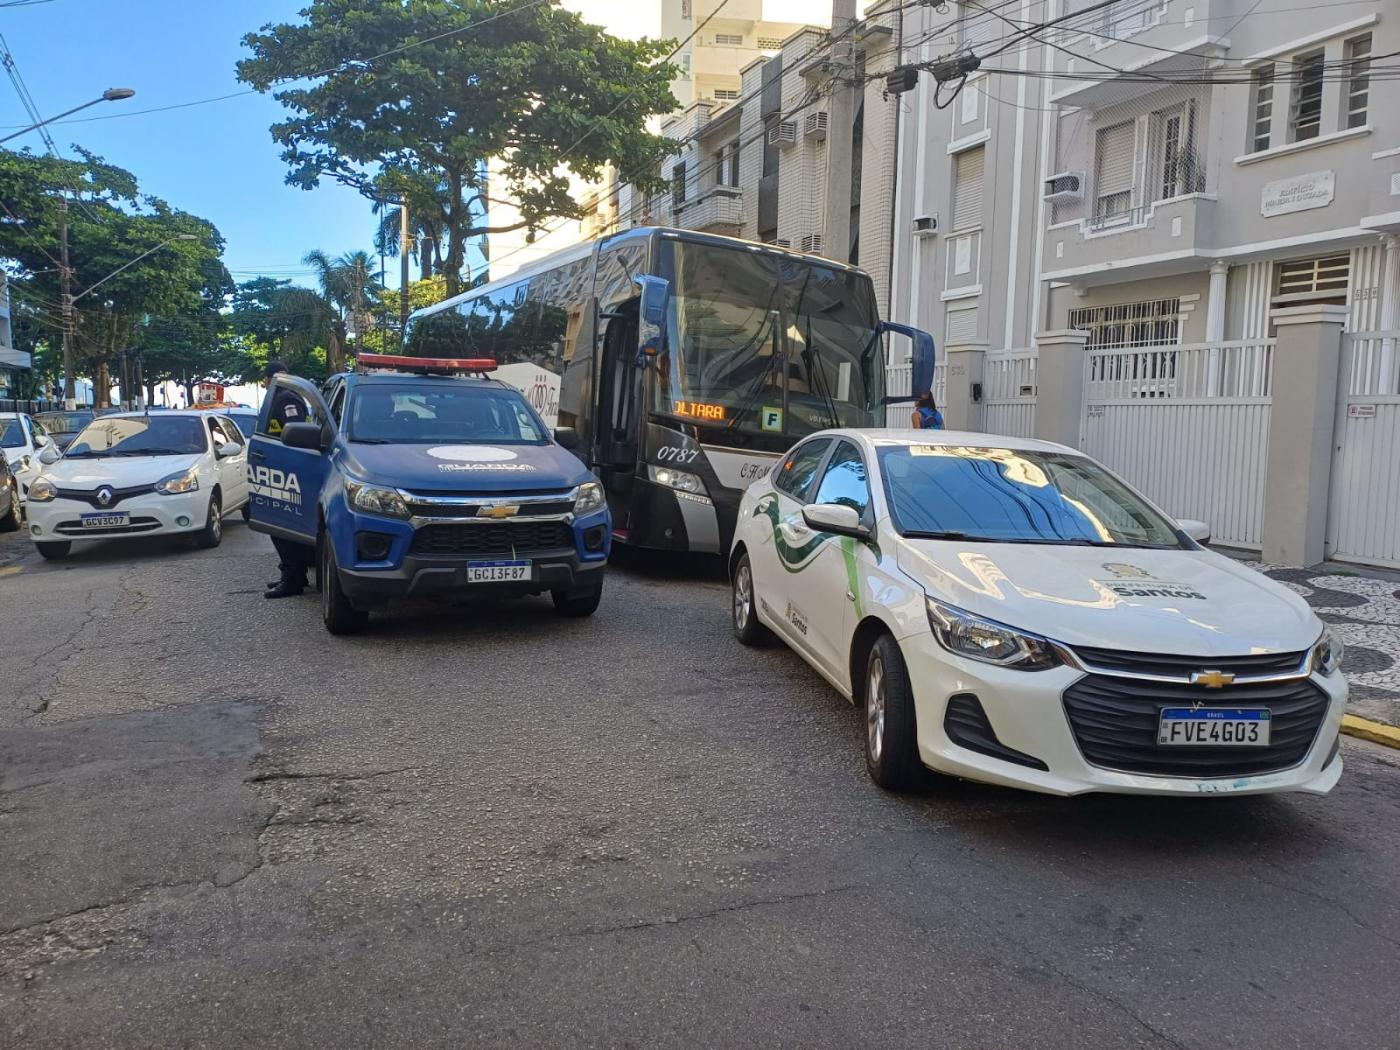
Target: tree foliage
460,82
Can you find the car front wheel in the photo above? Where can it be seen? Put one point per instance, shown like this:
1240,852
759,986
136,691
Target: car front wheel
54,551
339,616
747,627
891,748
10,521
581,603
213,532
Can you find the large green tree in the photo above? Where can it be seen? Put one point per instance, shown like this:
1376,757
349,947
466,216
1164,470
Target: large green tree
134,259
414,97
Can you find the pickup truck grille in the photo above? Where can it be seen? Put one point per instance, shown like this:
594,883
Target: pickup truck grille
514,538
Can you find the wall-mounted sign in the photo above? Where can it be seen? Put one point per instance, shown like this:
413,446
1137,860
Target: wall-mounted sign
1361,411
1299,193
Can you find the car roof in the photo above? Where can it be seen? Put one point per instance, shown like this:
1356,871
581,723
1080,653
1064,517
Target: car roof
890,437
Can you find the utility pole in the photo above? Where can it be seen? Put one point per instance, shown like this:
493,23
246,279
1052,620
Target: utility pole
404,249
841,117
65,282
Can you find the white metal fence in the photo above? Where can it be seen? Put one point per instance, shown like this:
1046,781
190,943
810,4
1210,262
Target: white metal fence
1363,511
1009,392
897,380
1189,426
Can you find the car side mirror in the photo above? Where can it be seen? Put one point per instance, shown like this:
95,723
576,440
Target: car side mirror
836,518
1197,530
302,435
566,437
50,456
227,449
651,313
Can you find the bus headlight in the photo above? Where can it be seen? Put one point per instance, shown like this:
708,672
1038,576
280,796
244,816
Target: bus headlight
676,479
42,491
590,498
174,484
374,499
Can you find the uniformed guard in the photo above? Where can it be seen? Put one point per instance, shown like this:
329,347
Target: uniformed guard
293,558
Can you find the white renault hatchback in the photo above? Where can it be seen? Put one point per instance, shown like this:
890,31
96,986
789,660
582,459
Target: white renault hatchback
136,474
1017,614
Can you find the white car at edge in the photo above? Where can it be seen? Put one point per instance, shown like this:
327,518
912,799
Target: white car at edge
24,440
139,474
1009,611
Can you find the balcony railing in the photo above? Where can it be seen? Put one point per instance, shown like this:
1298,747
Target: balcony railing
721,208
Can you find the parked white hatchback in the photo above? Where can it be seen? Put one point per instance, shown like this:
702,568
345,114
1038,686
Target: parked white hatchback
1017,614
139,474
23,441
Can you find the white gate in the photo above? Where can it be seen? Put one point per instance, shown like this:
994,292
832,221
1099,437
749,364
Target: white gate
897,380
1189,426
1363,515
1008,392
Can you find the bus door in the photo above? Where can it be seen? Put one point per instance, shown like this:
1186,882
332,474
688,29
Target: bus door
620,376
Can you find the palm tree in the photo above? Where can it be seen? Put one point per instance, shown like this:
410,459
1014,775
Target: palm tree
426,231
348,285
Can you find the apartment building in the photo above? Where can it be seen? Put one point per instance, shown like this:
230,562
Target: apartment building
12,361
1156,172
721,38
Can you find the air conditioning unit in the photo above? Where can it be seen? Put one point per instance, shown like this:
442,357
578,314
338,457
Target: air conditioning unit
815,127
926,226
783,135
782,242
1066,186
812,244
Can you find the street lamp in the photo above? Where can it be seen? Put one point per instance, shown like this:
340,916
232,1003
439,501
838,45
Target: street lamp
110,95
69,300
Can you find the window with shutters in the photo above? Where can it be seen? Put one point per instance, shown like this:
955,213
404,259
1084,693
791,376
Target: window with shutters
967,188
1262,111
1113,172
729,39
962,325
1300,282
1358,85
726,94
1305,112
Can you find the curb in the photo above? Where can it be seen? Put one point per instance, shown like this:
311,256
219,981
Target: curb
1376,732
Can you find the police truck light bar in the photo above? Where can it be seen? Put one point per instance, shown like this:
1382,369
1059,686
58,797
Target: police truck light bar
443,365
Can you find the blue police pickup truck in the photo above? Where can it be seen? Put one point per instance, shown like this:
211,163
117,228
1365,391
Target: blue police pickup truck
424,477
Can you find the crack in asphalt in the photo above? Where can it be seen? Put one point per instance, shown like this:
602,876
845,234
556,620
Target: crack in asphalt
276,775
1323,899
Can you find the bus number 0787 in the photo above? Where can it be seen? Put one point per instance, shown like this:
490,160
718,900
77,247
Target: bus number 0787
671,454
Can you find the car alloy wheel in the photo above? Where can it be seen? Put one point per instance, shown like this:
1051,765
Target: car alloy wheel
875,708
743,596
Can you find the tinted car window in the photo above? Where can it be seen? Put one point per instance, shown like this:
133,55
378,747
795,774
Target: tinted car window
411,413
11,433
797,473
844,481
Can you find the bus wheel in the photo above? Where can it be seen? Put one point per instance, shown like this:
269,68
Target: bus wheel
581,603
747,627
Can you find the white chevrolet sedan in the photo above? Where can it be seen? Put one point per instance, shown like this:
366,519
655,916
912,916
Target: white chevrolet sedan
1009,611
138,474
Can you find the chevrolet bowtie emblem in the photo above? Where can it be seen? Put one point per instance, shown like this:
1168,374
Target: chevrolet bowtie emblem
498,512
1212,679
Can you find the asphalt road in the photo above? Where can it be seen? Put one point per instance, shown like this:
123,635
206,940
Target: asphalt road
221,827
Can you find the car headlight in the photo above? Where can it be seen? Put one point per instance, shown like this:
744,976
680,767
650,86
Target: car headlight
1326,654
375,499
676,479
590,498
978,638
42,491
24,462
174,484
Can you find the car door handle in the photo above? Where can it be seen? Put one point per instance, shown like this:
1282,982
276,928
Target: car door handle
256,455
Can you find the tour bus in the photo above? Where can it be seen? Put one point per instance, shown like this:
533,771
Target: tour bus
680,365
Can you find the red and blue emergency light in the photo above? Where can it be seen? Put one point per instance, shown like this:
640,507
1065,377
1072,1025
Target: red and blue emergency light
428,365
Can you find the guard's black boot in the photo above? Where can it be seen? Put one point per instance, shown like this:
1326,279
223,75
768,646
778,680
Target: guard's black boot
286,587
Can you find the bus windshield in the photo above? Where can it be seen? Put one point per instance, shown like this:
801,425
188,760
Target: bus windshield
758,341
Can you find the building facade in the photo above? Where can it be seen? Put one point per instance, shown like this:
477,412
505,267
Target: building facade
1157,172
12,361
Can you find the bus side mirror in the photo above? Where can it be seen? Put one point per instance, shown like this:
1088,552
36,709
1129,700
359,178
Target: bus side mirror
921,372
652,313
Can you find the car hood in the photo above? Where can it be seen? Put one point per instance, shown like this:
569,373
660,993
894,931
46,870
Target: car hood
119,472
1157,601
464,468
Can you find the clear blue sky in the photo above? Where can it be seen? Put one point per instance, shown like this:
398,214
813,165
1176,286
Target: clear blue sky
218,160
